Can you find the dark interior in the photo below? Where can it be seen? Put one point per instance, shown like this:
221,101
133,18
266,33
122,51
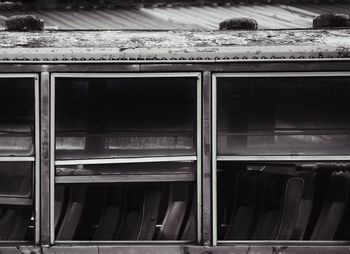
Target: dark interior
16,117
283,116
283,201
267,200
16,201
111,117
125,211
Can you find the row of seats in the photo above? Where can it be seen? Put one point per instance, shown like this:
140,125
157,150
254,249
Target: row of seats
270,205
125,212
16,223
16,201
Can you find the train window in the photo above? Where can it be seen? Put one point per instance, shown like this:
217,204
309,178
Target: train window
281,156
126,152
18,157
125,212
283,116
283,201
16,117
104,118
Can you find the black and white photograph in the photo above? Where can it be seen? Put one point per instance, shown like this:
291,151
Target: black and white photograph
174,126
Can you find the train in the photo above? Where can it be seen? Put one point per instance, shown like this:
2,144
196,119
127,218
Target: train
181,142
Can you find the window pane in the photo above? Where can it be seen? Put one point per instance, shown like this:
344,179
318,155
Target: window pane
16,201
16,117
283,116
125,117
283,201
133,211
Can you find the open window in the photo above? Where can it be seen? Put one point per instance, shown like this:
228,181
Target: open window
19,157
281,145
126,151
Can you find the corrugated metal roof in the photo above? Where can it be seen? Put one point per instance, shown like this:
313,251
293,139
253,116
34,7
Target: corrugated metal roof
206,17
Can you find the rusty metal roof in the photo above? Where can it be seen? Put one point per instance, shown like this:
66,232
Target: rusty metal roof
126,46
205,17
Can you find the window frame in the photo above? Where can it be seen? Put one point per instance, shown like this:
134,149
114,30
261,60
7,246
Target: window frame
197,158
35,158
260,158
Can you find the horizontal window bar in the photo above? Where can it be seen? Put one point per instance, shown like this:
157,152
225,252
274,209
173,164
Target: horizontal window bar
284,158
282,242
125,160
126,178
125,242
281,74
16,201
126,75
17,158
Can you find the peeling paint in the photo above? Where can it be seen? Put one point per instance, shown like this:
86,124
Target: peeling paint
97,45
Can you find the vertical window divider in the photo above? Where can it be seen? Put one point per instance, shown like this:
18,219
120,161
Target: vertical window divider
52,157
199,159
206,161
214,155
44,158
37,163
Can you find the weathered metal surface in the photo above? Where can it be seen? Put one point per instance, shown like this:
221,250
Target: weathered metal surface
237,249
295,248
44,159
171,249
207,226
173,45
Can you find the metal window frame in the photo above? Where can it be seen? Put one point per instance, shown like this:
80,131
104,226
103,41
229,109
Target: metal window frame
36,157
216,157
197,158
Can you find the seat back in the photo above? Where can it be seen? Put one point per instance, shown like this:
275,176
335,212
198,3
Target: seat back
244,206
290,207
175,214
334,207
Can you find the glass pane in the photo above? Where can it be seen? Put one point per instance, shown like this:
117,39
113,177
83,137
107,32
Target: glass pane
16,179
133,212
16,116
283,116
283,201
125,117
16,201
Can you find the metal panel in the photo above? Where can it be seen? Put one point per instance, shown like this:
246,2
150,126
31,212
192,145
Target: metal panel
52,158
45,158
173,46
199,158
207,175
37,159
154,178
214,158
126,160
